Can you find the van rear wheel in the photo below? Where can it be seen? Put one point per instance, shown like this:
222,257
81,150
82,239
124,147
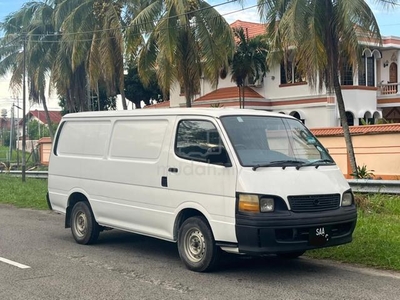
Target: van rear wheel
84,227
196,245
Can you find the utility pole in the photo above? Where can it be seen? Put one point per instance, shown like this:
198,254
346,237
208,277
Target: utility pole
24,113
17,131
11,134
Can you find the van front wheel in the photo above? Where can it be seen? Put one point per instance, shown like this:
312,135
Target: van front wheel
196,245
84,227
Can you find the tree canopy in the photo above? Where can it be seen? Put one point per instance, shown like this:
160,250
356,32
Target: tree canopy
249,62
187,40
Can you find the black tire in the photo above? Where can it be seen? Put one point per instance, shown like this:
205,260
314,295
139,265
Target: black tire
291,255
84,227
196,245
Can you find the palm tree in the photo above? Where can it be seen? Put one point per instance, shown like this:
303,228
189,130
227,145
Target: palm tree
249,60
30,26
92,38
187,40
79,44
322,32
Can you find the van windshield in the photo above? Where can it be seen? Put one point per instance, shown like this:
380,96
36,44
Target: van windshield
263,141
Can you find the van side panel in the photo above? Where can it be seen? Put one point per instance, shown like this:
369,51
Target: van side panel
131,196
80,152
117,164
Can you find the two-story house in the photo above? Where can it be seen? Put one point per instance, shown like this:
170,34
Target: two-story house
370,94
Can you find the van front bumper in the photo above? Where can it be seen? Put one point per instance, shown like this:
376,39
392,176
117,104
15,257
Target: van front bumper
283,232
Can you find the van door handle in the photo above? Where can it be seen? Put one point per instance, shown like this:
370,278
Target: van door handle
173,170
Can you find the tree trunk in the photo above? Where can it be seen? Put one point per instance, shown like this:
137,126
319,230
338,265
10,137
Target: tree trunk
188,98
46,112
332,46
240,96
345,126
122,91
243,87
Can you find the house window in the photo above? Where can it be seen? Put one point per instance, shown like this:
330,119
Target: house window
346,74
366,71
290,74
297,116
350,118
361,76
370,71
367,120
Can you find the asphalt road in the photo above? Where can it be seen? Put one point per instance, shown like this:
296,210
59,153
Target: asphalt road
127,266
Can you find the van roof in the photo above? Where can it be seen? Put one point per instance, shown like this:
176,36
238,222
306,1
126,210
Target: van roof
211,112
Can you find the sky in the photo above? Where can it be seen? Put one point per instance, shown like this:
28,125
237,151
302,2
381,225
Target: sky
388,20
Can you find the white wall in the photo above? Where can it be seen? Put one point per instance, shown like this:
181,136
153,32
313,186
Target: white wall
387,55
315,116
174,95
360,101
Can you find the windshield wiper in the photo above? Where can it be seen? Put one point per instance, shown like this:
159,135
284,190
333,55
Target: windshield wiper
315,163
283,163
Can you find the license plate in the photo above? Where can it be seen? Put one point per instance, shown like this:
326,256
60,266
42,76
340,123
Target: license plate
319,236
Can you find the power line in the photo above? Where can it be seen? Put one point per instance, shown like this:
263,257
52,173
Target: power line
398,24
125,27
140,24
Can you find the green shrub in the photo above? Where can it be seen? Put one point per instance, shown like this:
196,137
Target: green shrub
363,173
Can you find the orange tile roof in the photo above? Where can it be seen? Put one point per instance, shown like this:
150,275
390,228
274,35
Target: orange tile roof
253,29
55,116
229,93
357,130
158,105
235,103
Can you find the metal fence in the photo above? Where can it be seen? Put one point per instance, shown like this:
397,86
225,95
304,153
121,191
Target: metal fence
375,186
30,174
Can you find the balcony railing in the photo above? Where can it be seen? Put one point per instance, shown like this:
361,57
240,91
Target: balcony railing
389,88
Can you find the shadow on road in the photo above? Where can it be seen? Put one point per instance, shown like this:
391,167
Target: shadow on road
155,249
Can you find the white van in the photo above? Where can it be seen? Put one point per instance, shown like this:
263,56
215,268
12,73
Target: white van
243,181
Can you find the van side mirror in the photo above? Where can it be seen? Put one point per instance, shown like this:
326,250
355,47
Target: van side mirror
218,156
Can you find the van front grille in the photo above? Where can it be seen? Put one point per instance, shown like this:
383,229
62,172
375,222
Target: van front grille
310,203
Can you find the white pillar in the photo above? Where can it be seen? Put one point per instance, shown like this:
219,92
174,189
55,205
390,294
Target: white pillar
398,71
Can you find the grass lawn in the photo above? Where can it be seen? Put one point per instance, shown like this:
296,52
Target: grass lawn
31,194
376,239
5,152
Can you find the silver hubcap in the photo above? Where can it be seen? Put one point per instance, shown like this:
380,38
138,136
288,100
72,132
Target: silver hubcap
80,224
194,245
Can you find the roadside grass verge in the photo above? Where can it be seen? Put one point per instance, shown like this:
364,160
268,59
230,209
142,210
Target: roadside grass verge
4,154
29,194
376,239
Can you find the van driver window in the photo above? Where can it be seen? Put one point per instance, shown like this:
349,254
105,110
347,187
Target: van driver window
200,141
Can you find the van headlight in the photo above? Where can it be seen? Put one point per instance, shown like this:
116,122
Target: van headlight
347,199
255,203
249,203
267,204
